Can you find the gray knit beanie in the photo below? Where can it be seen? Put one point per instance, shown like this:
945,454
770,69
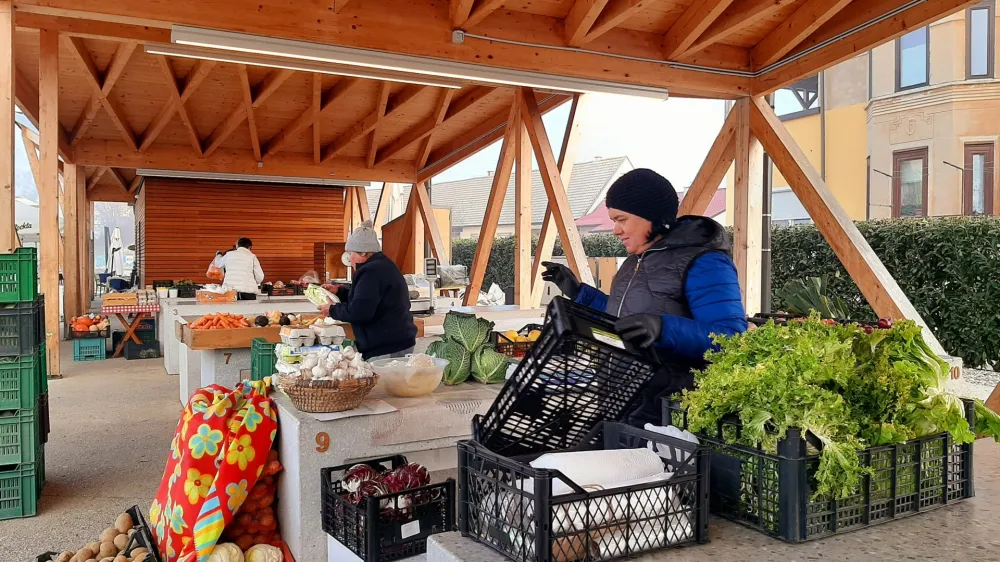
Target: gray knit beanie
363,240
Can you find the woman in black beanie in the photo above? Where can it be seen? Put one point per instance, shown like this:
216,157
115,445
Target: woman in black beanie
677,287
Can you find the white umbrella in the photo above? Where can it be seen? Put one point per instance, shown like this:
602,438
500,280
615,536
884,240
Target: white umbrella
116,264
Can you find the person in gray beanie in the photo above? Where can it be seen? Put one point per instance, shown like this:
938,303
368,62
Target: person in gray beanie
378,303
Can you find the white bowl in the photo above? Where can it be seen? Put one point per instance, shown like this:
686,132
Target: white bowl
409,382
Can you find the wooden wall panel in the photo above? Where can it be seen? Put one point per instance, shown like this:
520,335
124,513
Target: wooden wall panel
186,222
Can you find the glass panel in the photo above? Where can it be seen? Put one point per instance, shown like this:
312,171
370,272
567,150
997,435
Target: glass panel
911,188
978,184
913,58
979,42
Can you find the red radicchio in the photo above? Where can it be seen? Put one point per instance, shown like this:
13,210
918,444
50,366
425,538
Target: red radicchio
371,488
407,477
356,475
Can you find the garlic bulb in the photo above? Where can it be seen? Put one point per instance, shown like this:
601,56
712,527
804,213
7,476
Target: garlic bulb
318,372
310,361
349,353
339,374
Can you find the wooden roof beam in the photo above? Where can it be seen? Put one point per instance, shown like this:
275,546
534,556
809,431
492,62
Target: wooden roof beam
580,20
118,179
851,17
91,28
267,88
615,14
796,29
365,126
134,185
426,128
248,107
380,107
26,97
459,11
317,104
308,117
692,23
741,15
102,87
176,103
439,113
482,9
95,178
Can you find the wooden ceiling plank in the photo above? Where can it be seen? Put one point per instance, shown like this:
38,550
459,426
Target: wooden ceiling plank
483,9
740,15
382,104
317,104
248,107
267,88
117,66
426,128
178,107
102,86
796,29
580,20
459,11
853,17
308,117
96,178
364,126
616,13
692,23
474,96
442,110
194,78
118,179
86,118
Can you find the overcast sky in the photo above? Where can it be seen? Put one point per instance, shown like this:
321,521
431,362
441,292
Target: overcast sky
671,137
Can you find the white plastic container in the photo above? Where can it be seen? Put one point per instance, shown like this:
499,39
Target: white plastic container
172,293
409,382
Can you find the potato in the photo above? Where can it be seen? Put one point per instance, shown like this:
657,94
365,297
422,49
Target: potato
120,541
64,557
107,559
121,558
139,552
131,532
84,554
107,550
94,548
92,560
124,523
139,558
109,534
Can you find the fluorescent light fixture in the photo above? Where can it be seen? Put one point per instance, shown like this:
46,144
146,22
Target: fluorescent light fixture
217,176
367,58
183,51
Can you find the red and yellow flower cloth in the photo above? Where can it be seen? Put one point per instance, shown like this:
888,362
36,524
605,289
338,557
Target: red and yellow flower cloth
217,454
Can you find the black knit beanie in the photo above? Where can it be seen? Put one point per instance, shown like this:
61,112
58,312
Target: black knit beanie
644,193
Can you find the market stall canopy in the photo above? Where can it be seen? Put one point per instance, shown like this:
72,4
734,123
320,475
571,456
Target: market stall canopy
388,90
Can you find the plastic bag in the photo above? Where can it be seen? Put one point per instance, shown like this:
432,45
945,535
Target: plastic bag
214,272
310,278
453,276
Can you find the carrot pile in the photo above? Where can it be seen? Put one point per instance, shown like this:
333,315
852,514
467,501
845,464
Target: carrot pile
220,321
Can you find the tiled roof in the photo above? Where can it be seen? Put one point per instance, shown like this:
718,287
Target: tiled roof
598,221
467,198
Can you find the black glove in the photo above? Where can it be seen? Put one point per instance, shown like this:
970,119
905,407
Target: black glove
562,277
643,330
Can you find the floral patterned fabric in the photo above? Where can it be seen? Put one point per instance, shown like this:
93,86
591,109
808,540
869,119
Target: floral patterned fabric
217,454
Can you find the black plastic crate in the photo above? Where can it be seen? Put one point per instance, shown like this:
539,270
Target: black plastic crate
167,283
187,291
22,327
511,507
142,538
772,492
577,375
514,349
43,413
145,350
375,536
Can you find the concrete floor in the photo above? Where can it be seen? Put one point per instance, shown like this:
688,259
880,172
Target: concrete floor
112,422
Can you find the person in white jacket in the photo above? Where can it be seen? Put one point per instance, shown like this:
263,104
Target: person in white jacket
242,268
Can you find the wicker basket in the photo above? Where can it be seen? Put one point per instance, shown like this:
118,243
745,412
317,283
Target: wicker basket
322,397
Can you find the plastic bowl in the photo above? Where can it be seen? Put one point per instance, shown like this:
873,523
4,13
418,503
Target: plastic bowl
409,382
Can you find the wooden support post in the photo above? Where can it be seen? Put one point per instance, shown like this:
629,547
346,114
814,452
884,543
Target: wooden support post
355,208
362,195
85,279
864,266
348,210
423,203
547,236
48,191
993,402
382,211
748,208
706,183
71,241
488,232
8,235
554,187
522,218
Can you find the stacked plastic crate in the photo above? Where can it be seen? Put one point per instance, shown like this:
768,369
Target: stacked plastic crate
23,385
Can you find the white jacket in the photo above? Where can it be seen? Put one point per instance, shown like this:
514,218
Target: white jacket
243,271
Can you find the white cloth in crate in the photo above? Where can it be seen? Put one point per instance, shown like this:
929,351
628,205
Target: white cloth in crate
605,469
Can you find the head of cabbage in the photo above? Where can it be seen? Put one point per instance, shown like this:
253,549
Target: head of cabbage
459,360
471,331
488,366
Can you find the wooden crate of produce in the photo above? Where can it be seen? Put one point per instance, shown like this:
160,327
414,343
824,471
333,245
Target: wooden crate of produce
208,297
121,299
224,339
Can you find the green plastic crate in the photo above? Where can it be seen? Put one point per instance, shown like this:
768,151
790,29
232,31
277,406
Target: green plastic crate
21,327
20,488
261,359
19,276
20,436
20,383
89,350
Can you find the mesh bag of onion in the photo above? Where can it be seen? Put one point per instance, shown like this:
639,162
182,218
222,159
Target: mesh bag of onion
385,509
255,522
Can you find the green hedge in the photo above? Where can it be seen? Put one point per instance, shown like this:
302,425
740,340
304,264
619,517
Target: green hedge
950,269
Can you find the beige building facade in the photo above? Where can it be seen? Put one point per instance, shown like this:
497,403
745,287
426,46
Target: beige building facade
934,119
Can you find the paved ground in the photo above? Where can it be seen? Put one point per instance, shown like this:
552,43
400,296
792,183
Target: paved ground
112,422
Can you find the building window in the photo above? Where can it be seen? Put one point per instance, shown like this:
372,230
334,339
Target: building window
798,100
978,179
980,32
912,59
909,183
